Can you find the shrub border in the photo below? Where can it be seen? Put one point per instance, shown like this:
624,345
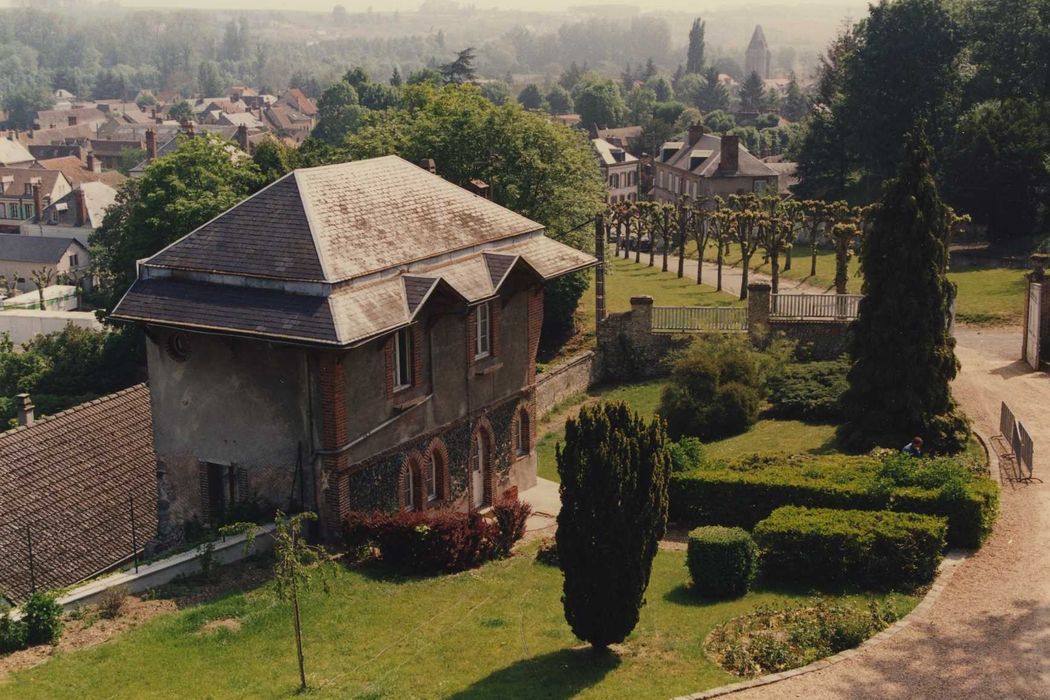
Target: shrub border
945,571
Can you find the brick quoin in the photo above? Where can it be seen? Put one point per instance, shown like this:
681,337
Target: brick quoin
495,326
535,326
334,434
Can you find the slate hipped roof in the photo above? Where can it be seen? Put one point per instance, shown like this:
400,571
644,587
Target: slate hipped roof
704,158
39,250
338,254
67,479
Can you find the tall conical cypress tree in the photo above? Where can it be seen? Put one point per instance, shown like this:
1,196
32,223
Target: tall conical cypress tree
903,354
614,473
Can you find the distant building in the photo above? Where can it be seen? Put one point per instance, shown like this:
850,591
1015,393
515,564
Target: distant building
25,192
14,155
20,256
706,165
76,214
625,137
758,58
620,170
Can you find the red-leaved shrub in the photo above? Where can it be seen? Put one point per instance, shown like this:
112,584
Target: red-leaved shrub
437,541
510,515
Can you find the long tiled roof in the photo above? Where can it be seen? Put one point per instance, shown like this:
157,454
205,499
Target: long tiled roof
708,150
65,482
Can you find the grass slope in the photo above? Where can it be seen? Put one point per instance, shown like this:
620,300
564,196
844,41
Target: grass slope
496,632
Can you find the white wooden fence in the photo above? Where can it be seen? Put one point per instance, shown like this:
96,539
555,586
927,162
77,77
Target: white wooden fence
815,306
686,319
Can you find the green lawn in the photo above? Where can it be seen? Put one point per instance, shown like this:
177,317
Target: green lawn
987,295
626,279
496,632
765,437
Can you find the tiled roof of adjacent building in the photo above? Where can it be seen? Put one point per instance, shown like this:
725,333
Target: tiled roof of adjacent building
65,482
338,254
39,250
610,154
13,153
76,172
704,158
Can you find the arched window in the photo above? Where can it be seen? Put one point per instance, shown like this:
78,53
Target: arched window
432,478
411,486
522,445
408,489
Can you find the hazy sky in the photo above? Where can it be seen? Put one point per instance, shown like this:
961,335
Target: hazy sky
842,7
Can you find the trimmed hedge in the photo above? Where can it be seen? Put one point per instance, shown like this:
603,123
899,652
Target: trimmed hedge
875,549
437,541
809,391
734,496
722,561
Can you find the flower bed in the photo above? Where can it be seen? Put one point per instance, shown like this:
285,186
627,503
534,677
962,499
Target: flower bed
774,639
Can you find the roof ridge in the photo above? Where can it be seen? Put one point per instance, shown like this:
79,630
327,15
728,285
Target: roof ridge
75,409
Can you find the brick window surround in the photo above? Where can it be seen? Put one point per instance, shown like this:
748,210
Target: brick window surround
495,307
420,380
483,430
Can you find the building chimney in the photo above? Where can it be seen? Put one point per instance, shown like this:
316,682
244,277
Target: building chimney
242,137
153,113
80,206
151,144
429,165
38,202
92,163
26,409
730,159
480,188
696,132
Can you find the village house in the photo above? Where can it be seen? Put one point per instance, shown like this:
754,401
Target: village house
628,138
78,172
70,484
24,192
75,215
22,256
359,336
298,101
708,165
620,170
14,155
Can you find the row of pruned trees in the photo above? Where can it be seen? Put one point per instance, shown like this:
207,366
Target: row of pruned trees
750,223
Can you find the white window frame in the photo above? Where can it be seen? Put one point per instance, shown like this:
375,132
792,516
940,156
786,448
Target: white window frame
403,351
483,330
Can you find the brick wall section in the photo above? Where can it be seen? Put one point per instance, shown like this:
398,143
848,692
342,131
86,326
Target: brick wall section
334,434
535,326
472,335
495,326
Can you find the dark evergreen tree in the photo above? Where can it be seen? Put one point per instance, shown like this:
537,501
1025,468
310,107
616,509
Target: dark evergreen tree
460,70
530,97
795,105
614,471
714,95
559,101
694,57
395,78
752,93
902,353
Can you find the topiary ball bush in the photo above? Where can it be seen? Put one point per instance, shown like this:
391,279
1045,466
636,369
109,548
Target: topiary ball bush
722,561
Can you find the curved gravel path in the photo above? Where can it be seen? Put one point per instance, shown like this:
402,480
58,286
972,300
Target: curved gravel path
988,634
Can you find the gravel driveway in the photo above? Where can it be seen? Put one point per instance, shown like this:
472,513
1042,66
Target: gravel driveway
988,635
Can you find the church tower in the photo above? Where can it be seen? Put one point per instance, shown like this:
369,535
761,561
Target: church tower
758,57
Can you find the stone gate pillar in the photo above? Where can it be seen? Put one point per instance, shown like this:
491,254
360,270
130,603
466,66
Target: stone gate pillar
758,305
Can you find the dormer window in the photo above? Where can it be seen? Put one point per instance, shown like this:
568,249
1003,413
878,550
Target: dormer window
402,359
483,344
